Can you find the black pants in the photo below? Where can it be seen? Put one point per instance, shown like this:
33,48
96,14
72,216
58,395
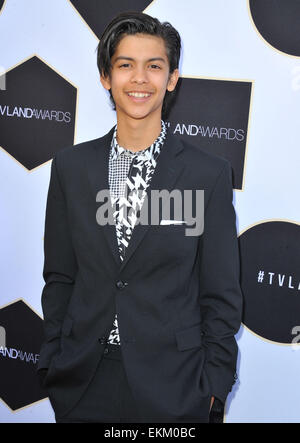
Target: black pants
108,398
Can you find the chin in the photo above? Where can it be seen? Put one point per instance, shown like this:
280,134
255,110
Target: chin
138,116
143,113
138,112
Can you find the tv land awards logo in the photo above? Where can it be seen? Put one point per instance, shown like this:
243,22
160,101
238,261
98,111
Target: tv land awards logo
97,14
277,21
21,336
214,115
270,280
40,114
37,113
20,354
208,131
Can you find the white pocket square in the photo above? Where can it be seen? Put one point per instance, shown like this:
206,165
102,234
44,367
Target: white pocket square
172,222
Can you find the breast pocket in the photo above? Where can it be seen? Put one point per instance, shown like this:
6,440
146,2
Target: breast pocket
163,230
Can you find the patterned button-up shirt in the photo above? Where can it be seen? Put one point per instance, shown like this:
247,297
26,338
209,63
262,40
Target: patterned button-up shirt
129,176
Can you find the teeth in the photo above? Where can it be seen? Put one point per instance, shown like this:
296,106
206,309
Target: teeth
138,94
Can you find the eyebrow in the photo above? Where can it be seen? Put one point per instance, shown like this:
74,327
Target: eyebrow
121,57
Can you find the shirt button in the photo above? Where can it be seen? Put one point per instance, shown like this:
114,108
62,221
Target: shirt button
106,351
121,284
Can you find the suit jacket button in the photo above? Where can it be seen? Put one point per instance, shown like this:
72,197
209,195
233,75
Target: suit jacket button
121,284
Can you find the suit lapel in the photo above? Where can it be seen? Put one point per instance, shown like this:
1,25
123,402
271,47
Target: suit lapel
168,169
97,169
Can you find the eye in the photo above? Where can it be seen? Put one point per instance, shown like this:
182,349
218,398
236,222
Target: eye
155,67
124,65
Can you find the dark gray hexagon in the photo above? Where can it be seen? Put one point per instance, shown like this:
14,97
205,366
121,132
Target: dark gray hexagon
19,383
37,113
97,14
213,115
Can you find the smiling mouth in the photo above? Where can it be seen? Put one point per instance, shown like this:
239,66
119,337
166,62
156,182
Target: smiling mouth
139,94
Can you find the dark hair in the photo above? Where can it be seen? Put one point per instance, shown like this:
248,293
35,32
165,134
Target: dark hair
130,23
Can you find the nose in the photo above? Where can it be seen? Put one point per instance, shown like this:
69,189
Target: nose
139,76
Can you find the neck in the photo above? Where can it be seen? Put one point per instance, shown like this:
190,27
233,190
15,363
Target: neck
137,135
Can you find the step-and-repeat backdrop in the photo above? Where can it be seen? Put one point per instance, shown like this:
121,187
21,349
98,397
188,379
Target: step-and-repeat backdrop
239,98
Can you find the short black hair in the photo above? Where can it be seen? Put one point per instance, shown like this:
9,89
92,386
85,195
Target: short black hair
130,23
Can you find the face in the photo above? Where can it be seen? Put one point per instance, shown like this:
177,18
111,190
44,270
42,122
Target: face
140,77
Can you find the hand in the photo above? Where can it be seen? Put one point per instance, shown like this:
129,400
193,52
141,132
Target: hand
211,402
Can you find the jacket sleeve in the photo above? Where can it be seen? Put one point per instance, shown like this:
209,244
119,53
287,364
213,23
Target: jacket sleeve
60,267
220,292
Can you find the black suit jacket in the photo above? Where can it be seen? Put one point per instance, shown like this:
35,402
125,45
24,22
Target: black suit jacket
177,297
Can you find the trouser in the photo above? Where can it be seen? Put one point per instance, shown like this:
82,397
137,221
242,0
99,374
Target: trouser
108,397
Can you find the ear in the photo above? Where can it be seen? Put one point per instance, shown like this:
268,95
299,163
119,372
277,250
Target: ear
105,81
173,79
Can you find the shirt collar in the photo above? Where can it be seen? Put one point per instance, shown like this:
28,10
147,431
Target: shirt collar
146,154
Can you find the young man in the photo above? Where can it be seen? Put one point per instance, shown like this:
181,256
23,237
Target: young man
139,318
